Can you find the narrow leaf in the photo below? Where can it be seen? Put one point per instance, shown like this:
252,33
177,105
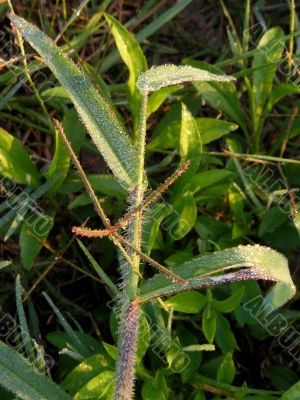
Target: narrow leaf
166,75
129,50
20,378
26,339
258,262
268,55
103,126
134,58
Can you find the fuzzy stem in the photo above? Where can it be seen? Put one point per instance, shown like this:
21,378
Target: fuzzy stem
139,194
128,335
127,357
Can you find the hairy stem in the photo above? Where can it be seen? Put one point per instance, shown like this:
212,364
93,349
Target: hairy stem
130,320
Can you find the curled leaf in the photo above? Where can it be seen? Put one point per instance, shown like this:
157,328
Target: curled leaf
245,263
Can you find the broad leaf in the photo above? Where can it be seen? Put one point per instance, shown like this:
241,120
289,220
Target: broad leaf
169,74
102,124
15,162
20,378
251,262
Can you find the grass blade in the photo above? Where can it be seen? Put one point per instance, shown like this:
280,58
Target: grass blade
18,377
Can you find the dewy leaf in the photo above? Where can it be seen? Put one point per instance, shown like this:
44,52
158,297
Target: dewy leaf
250,262
103,126
166,75
15,162
20,378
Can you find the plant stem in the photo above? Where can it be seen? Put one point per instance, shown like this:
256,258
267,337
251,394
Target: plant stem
130,320
138,194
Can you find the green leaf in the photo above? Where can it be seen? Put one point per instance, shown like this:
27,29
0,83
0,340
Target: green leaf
209,322
15,162
271,220
190,140
252,262
33,233
153,218
208,178
278,93
84,372
144,337
133,57
224,336
293,393
165,75
61,162
157,98
158,22
25,334
265,62
281,377
100,387
106,184
185,215
20,378
189,302
222,97
129,50
211,129
231,303
103,126
155,388
226,371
